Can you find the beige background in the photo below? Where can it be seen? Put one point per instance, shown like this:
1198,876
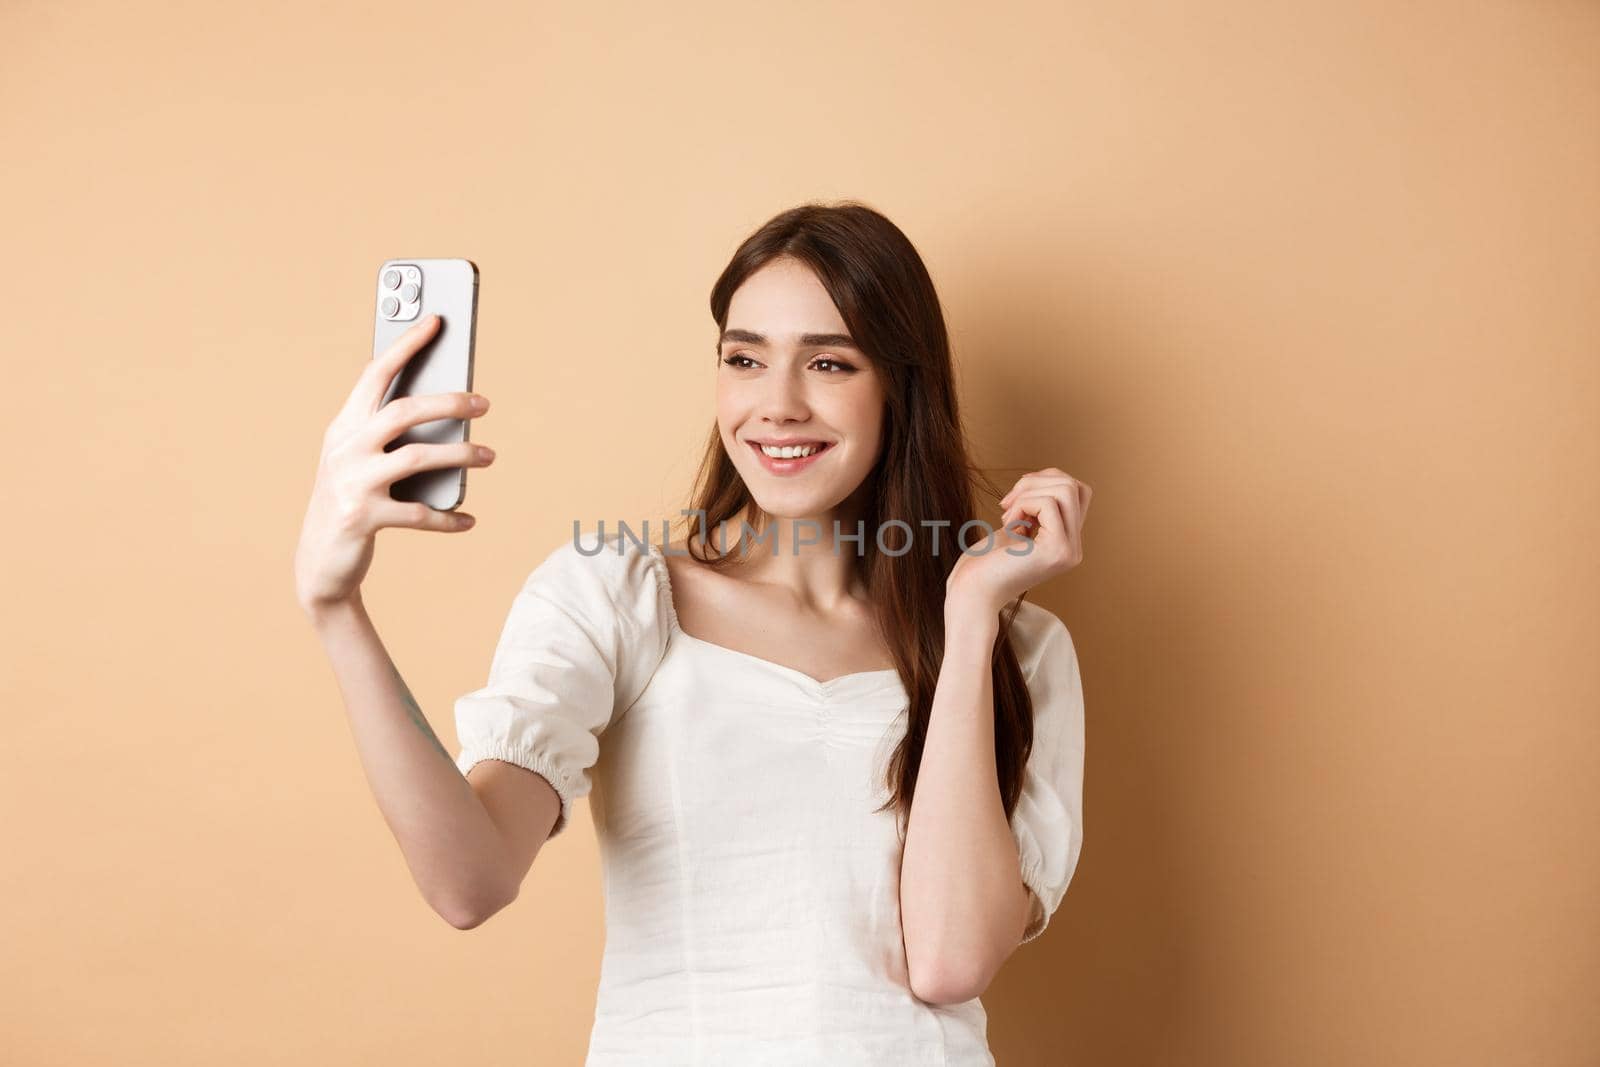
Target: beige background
1306,291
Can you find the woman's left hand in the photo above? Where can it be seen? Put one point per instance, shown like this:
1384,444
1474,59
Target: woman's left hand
1050,505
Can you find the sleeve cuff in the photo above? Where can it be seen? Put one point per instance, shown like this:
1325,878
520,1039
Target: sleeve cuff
1046,890
538,762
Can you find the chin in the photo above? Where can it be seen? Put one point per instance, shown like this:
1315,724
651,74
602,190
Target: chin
794,503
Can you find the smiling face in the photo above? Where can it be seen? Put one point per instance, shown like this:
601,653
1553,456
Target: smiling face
789,377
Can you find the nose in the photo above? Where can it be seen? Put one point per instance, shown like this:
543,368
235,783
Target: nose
783,399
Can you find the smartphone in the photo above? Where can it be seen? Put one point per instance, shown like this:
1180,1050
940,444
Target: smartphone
408,290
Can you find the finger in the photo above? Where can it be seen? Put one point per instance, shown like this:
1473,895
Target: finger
1034,511
404,412
1055,515
415,515
1034,481
421,456
1054,532
1036,488
1021,484
1018,524
1064,518
379,372
1026,509
1072,514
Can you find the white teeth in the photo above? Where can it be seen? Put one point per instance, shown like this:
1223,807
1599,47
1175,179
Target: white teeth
789,451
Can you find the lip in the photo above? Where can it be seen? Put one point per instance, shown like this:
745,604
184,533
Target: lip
787,467
787,441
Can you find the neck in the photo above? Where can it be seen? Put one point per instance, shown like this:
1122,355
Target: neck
801,555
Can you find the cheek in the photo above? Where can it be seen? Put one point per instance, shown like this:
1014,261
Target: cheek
863,414
727,409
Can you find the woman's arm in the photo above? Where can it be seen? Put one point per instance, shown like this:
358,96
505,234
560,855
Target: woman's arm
468,844
962,900
964,906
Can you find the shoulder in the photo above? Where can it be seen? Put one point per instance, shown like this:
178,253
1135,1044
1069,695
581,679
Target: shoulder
600,575
1039,636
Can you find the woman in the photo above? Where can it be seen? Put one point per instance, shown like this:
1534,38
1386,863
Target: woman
837,780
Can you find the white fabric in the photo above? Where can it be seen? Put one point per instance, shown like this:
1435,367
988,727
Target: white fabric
752,889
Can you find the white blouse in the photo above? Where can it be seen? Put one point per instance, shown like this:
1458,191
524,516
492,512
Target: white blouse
752,902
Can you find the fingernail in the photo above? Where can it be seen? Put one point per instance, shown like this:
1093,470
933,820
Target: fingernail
465,520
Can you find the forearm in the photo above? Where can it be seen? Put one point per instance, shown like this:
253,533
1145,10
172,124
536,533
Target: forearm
960,868
456,854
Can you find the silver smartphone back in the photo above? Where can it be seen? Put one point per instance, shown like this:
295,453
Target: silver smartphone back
408,290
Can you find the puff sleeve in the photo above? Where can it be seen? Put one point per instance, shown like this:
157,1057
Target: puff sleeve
580,643
1047,822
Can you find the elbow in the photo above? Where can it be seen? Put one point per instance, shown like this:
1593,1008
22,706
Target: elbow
943,986
934,975
944,973
465,912
464,918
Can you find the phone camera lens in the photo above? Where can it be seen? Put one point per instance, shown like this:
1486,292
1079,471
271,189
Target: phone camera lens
409,294
391,279
391,306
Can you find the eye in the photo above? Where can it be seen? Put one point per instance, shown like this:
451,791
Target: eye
741,361
844,368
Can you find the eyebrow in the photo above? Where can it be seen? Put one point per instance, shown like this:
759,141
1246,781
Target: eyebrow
807,340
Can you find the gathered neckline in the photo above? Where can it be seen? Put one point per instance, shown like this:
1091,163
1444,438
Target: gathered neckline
658,562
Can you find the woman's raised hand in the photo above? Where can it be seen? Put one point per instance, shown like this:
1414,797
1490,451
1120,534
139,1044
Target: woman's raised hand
350,500
1047,507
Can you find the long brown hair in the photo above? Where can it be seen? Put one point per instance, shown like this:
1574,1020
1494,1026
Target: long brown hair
923,474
